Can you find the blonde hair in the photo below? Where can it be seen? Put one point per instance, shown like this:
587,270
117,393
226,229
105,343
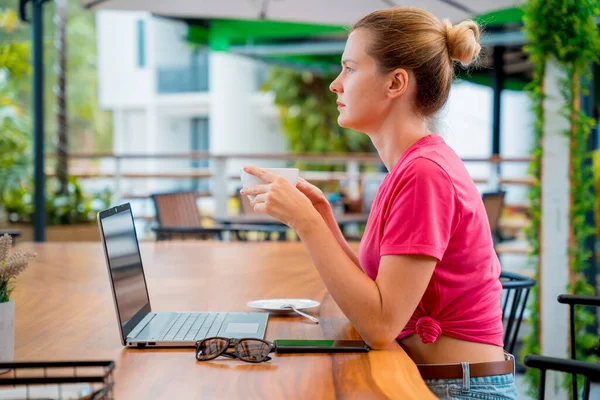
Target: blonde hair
416,40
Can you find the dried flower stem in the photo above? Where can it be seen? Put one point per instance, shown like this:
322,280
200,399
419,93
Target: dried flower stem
10,266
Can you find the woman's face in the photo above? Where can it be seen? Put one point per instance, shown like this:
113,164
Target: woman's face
361,89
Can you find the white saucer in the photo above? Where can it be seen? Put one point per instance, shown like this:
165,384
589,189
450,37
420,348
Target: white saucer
274,305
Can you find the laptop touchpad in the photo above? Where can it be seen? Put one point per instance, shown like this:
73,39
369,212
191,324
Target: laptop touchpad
241,327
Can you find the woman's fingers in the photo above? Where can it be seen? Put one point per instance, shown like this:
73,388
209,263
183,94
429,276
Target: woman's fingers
304,186
261,198
260,208
261,173
254,190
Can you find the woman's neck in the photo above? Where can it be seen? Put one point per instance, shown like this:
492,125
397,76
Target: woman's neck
395,136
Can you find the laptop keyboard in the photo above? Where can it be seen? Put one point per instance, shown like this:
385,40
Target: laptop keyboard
194,326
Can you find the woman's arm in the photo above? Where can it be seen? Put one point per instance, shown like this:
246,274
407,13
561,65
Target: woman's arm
329,218
318,200
378,309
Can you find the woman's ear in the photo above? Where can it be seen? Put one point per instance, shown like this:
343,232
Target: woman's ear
398,83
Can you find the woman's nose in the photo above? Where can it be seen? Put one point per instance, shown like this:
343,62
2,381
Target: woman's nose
335,86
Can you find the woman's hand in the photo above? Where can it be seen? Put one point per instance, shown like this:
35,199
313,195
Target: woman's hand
314,194
280,199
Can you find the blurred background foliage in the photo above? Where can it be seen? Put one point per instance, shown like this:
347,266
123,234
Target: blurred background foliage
90,127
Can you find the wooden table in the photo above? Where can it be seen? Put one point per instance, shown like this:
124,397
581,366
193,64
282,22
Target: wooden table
64,311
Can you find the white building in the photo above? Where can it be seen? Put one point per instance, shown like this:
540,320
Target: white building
168,97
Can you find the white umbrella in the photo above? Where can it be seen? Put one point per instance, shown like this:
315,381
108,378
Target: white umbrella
334,12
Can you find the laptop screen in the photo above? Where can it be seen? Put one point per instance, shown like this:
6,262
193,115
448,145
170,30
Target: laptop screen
125,265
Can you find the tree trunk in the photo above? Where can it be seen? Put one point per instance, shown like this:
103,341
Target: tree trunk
62,142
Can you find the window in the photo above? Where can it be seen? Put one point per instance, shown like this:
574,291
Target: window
141,50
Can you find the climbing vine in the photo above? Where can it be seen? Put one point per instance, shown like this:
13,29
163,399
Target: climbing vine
563,32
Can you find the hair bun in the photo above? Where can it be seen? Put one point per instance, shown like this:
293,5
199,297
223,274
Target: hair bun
463,41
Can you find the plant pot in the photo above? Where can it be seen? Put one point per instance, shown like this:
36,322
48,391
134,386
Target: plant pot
7,333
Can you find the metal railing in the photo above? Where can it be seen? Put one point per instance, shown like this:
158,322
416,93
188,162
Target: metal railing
219,176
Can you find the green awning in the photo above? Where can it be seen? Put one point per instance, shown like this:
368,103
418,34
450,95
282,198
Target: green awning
318,47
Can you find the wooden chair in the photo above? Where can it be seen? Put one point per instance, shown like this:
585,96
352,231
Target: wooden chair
177,213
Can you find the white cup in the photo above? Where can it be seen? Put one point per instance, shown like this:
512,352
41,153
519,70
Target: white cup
290,174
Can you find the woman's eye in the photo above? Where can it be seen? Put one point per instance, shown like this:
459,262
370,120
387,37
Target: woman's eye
348,69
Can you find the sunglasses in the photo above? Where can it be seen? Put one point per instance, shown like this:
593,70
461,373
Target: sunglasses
247,349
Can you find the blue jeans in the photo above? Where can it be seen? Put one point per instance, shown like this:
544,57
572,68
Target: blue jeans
497,387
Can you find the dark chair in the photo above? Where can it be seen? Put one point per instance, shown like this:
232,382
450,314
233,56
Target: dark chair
590,371
515,292
494,204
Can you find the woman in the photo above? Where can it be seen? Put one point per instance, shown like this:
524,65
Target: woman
426,275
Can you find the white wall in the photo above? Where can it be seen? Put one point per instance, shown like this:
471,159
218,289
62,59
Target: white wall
121,83
237,123
129,131
466,121
169,43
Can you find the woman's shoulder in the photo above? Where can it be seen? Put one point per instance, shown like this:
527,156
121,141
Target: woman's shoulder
421,167
435,159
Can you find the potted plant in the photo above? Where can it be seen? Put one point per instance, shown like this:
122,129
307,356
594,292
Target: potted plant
10,267
70,216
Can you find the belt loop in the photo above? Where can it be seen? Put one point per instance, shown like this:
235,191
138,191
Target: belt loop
510,357
466,386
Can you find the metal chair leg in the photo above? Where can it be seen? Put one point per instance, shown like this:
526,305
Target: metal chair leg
542,387
586,389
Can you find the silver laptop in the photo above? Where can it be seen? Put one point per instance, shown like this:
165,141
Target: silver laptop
139,326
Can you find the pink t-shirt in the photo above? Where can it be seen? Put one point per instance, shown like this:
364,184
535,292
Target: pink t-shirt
429,205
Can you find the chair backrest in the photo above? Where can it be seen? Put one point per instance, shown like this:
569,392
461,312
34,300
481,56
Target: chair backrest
515,292
572,301
177,209
589,370
494,203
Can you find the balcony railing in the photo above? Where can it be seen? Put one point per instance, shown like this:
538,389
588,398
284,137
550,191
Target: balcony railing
187,79
217,172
